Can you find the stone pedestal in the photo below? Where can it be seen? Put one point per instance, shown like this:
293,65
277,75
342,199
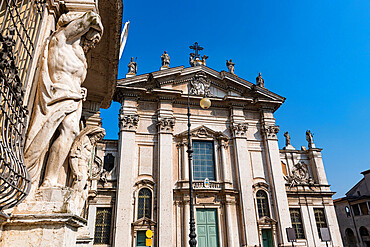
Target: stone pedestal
47,218
42,230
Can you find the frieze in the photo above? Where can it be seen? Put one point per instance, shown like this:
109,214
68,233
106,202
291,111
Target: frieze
129,122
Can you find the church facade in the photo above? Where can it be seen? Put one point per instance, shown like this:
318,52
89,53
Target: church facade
247,191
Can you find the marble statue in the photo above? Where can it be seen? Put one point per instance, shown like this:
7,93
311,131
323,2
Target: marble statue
309,138
287,139
230,65
191,59
260,81
132,67
79,160
165,60
203,61
55,120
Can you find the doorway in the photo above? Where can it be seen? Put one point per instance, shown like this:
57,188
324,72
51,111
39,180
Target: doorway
207,228
267,238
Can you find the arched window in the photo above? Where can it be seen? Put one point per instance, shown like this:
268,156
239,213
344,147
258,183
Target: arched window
108,162
363,231
262,204
350,237
145,204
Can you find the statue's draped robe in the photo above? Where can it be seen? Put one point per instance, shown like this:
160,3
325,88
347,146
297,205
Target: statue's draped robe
53,102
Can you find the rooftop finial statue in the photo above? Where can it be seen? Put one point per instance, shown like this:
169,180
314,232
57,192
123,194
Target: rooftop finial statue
287,139
230,65
132,68
260,81
55,120
165,60
309,138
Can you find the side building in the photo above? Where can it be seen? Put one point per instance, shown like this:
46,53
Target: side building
247,192
353,214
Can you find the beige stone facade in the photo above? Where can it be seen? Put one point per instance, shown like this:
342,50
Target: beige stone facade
253,188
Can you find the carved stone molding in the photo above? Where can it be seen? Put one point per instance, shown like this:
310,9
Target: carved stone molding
270,131
200,85
300,175
260,185
166,124
129,122
239,129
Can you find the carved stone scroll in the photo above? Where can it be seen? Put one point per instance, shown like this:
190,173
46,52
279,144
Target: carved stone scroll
239,129
129,122
166,124
271,131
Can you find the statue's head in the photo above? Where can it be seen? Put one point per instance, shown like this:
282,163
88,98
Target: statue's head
132,59
165,52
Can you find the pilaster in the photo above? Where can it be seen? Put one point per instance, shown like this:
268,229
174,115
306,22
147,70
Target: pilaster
128,123
165,184
239,128
317,165
231,222
280,200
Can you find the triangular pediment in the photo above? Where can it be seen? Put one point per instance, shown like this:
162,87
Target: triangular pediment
144,222
202,80
203,132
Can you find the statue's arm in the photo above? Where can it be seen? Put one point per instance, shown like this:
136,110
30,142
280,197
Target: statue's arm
82,25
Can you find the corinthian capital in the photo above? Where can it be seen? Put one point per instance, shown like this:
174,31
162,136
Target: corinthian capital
239,129
270,131
129,122
166,124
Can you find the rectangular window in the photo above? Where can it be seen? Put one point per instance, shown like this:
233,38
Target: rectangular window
356,210
103,225
320,219
363,208
203,160
295,216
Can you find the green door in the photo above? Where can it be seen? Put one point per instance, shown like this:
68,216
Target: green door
267,238
207,228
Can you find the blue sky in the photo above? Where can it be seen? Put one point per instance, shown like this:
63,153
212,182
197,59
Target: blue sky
314,53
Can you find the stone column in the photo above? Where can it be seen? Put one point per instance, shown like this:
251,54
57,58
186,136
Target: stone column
128,121
317,166
186,226
184,161
226,171
231,222
278,192
332,222
245,178
165,181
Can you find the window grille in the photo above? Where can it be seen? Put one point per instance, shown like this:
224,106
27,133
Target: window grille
24,17
203,160
103,225
262,204
295,216
20,23
145,204
320,219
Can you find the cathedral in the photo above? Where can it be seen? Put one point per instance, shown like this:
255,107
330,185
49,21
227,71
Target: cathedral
195,145
246,191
